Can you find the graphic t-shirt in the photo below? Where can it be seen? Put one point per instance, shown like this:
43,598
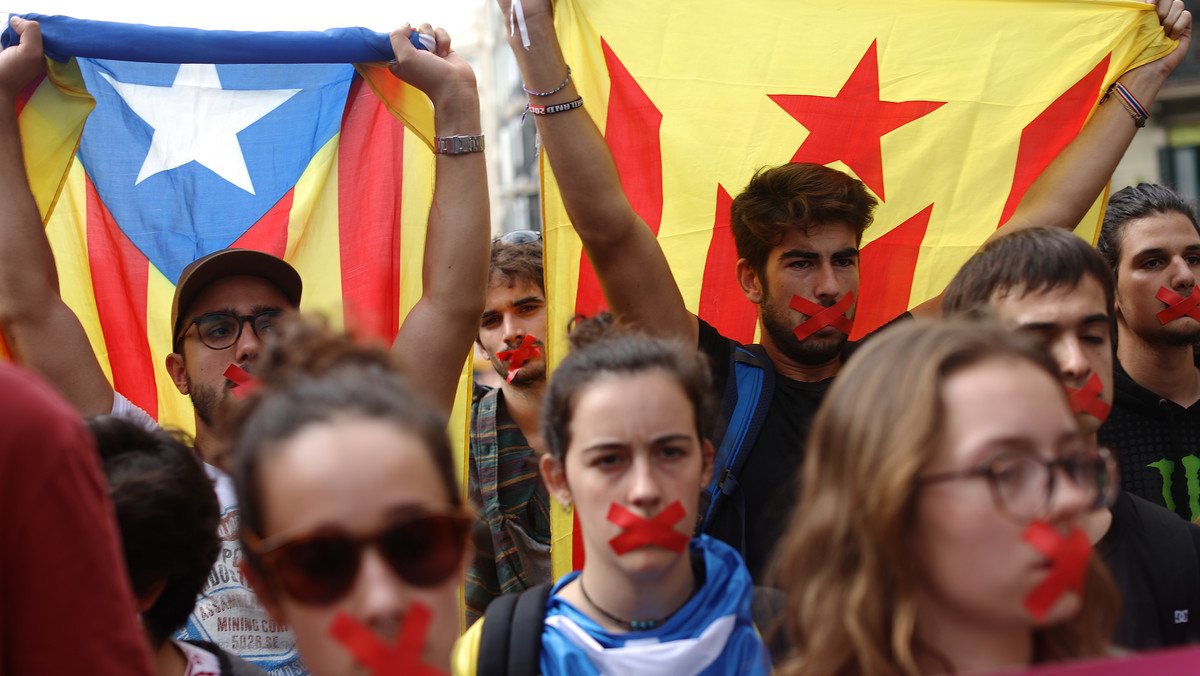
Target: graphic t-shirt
227,612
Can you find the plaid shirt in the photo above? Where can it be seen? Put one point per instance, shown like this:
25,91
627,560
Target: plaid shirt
514,552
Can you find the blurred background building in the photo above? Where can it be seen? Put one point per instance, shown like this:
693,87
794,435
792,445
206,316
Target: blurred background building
1168,149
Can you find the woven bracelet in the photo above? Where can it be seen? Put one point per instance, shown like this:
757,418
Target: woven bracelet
552,91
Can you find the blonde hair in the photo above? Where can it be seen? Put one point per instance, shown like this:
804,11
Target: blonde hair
848,577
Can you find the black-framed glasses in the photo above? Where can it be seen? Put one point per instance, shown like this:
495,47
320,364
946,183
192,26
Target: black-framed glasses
221,330
518,237
424,546
1022,484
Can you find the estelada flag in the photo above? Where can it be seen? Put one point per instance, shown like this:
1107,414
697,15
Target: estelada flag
946,110
147,148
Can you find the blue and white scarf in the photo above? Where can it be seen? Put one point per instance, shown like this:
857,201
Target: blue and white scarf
713,633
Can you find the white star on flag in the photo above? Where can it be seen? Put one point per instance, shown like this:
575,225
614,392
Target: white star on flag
195,119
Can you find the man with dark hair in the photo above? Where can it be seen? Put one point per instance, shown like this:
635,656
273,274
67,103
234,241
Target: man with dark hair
167,513
798,249
226,303
1152,243
1051,285
506,435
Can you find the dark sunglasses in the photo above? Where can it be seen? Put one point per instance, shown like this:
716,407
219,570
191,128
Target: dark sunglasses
424,546
518,237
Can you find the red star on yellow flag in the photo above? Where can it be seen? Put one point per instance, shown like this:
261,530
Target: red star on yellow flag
847,127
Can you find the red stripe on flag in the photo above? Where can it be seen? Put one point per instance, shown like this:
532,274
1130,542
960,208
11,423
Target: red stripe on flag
27,92
119,276
632,137
887,266
270,233
722,303
577,554
370,170
1051,131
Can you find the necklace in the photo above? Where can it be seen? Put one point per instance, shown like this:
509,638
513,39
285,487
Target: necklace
627,625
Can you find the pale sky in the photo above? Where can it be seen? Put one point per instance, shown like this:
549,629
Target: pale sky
381,15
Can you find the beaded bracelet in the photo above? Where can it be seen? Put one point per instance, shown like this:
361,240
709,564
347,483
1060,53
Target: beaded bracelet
552,91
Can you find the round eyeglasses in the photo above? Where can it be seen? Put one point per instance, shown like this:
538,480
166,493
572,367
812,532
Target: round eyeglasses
1023,484
221,330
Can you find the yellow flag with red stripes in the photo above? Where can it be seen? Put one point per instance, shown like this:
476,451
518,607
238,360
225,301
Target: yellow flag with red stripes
946,110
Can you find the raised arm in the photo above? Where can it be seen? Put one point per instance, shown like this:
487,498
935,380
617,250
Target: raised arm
1064,192
436,336
629,263
42,332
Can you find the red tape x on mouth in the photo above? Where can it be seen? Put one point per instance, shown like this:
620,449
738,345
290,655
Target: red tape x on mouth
401,658
820,316
657,531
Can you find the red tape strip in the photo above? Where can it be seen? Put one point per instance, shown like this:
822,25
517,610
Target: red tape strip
1177,305
244,384
1087,399
1068,565
820,316
519,355
402,657
657,531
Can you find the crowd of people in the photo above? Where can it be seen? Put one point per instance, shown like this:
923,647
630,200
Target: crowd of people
1003,476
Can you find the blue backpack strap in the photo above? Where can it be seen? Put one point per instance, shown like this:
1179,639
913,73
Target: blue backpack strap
510,643
744,406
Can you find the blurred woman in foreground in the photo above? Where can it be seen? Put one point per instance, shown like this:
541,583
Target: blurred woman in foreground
939,525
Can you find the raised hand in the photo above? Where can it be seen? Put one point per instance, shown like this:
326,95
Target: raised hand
441,73
21,63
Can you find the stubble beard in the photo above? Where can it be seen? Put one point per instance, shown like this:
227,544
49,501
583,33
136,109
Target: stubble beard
812,351
1187,335
529,373
206,400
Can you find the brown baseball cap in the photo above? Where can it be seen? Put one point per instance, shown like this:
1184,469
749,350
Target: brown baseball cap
227,263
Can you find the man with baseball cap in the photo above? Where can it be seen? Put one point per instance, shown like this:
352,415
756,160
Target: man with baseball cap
218,296
226,305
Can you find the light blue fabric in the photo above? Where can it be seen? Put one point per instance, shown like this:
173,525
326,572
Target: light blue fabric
725,598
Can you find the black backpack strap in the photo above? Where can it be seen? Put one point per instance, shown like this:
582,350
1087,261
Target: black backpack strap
510,643
744,407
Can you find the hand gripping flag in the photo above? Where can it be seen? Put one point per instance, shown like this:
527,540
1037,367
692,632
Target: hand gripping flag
144,155
947,111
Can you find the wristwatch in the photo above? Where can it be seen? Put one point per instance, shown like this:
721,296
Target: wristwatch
458,145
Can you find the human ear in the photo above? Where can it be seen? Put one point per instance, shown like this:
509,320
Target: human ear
750,282
555,476
707,453
178,372
147,599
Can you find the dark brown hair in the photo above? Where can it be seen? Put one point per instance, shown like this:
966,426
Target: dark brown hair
167,512
310,374
1026,261
600,347
795,195
1131,203
517,263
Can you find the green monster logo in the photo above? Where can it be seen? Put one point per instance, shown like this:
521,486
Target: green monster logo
1191,468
